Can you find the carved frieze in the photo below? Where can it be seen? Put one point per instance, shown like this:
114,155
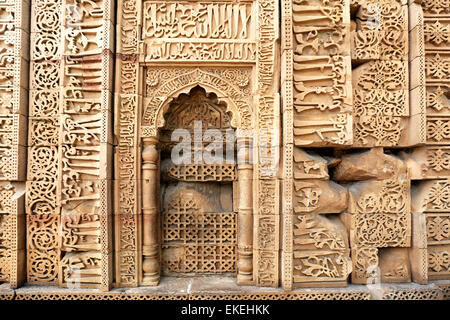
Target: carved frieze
199,31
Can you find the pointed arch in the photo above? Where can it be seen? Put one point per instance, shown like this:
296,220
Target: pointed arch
231,94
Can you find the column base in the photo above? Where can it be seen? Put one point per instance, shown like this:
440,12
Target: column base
150,282
244,280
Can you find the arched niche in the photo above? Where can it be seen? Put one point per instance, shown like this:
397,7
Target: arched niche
231,90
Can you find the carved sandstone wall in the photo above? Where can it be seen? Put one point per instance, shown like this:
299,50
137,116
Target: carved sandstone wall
337,111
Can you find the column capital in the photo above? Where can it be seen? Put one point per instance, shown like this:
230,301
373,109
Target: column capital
149,141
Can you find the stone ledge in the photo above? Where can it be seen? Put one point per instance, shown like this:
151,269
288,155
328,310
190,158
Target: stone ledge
407,291
5,292
204,289
444,285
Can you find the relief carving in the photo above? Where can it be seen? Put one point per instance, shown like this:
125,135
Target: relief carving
217,31
338,128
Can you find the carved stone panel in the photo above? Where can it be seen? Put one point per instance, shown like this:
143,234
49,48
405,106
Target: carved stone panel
199,31
314,139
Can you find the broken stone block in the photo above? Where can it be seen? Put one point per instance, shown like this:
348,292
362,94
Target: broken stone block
309,165
318,196
372,164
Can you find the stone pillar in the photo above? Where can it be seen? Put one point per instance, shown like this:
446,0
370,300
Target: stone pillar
245,212
150,213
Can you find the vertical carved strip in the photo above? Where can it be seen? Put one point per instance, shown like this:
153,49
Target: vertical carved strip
287,154
322,75
151,213
127,151
317,112
245,212
266,154
86,145
429,32
417,106
14,36
417,89
266,212
267,45
43,189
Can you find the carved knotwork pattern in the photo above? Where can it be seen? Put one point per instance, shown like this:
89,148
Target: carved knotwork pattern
376,44
436,33
382,229
392,198
380,83
437,160
438,130
47,24
437,67
42,266
42,233
438,260
435,7
438,99
380,102
41,197
391,15
386,130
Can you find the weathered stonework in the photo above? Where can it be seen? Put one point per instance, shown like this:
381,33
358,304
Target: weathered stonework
116,118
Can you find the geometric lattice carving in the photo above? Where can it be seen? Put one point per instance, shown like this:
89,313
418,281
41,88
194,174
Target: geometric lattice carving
195,241
194,172
5,248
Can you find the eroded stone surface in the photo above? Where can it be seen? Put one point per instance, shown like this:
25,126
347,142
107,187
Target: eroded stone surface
330,129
